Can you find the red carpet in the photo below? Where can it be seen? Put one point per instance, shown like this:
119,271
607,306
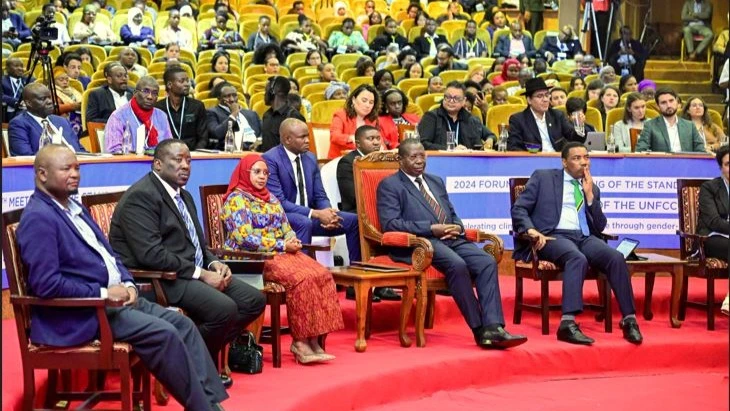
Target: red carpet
451,366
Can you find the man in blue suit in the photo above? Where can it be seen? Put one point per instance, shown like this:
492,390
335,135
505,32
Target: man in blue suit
561,209
417,203
24,131
13,84
17,32
504,43
67,256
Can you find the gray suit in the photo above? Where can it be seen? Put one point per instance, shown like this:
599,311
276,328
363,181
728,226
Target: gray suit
655,137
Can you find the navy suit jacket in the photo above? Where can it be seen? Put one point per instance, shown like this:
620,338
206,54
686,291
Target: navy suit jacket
24,134
218,125
283,186
62,265
523,129
20,26
402,207
8,98
503,45
544,215
101,104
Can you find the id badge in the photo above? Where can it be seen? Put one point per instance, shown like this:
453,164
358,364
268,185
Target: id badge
561,56
189,118
480,7
342,49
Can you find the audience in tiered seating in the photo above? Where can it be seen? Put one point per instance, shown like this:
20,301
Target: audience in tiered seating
576,109
564,46
246,124
72,64
428,42
515,44
186,115
712,135
69,99
669,133
607,100
130,60
627,55
13,84
14,30
134,33
92,30
392,114
277,90
104,100
697,20
361,108
262,36
347,39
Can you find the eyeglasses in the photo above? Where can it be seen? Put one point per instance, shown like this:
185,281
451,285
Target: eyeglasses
453,99
256,172
541,95
148,92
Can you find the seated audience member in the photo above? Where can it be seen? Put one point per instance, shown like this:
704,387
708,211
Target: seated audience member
669,132
576,109
347,39
539,124
271,65
141,117
540,67
14,30
383,80
497,22
26,129
361,108
435,85
564,46
647,88
341,9
173,33
219,36
115,94
524,60
558,97
297,8
415,202
453,12
303,38
607,75
63,39
155,226
389,36
406,57
392,114
296,182
586,66
367,140
172,55
499,96
515,43
427,44
58,239
446,60
628,84
471,133
220,62
569,238
246,124
369,8
607,100
697,20
576,83
470,46
365,67
91,31
255,220
593,90
130,60
414,70
497,65
13,84
336,91
134,33
72,64
626,55
474,91
262,36
140,4
525,74
375,18
186,115
102,5
277,90
261,54
510,72
475,74
327,72
696,111
213,83
634,117
69,99
313,58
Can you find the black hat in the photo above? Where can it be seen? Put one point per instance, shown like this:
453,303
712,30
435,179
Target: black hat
534,84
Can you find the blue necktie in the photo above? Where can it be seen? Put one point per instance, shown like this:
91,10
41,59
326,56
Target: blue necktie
580,208
191,230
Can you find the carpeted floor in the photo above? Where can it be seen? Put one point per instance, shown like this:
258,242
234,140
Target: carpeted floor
451,366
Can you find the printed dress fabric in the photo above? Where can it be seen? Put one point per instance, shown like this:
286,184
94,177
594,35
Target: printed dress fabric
254,225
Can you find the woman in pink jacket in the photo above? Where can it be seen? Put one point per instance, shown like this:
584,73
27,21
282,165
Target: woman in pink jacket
361,109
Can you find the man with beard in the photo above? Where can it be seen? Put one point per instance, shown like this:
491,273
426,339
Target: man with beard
389,36
668,132
427,44
445,60
470,46
246,123
186,115
115,94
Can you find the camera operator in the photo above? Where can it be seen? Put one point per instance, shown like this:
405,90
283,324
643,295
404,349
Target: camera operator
14,30
59,34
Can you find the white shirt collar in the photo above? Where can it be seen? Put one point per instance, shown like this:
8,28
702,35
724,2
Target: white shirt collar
292,156
73,208
40,120
116,94
170,191
676,121
567,177
537,117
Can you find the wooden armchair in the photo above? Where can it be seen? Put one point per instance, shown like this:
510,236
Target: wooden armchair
546,271
102,354
692,249
374,244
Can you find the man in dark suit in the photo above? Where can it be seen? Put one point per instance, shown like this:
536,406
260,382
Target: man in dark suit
427,44
104,100
539,124
25,130
561,209
16,32
627,53
389,36
186,115
669,133
414,202
504,42
246,123
446,60
13,84
367,140
564,46
155,226
68,256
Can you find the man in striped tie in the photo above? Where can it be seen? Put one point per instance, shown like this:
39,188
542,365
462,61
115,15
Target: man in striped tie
561,210
415,202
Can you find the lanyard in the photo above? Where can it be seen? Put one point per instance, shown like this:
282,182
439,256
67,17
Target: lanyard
13,84
182,114
448,123
471,45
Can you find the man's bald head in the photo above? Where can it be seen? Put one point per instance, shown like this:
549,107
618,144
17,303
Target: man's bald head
146,92
38,100
57,172
294,135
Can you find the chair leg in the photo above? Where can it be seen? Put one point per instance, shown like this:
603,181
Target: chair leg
648,292
146,391
276,329
519,293
545,305
683,299
607,313
51,390
602,293
161,397
710,302
125,378
29,388
369,313
430,308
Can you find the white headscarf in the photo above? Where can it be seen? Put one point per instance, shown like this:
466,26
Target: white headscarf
136,29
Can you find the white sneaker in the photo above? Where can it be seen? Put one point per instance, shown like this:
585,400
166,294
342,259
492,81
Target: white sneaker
726,305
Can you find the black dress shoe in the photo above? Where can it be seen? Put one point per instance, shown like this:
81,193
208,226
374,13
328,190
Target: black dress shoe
226,380
498,337
350,295
631,331
386,293
571,333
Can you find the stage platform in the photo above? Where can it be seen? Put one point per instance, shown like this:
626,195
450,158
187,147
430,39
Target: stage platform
674,368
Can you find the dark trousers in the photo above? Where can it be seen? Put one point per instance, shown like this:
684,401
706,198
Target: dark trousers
575,253
717,247
221,316
172,349
306,227
535,23
462,262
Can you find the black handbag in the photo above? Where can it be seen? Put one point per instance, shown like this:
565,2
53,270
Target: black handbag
245,356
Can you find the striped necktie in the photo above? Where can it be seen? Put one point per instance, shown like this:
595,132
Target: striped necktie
441,216
580,208
191,230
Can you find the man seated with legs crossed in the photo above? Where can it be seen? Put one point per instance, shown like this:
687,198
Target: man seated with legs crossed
566,221
414,202
68,257
155,226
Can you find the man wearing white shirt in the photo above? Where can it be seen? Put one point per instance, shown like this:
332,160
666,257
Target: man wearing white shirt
428,43
246,123
668,132
63,39
103,101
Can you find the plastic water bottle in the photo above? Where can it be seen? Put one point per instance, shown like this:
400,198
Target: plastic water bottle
503,137
127,139
611,140
230,142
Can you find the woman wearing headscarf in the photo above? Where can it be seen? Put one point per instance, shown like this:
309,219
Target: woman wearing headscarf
336,91
510,72
69,99
134,33
254,220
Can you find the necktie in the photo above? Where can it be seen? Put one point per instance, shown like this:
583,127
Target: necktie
300,182
191,230
441,216
580,208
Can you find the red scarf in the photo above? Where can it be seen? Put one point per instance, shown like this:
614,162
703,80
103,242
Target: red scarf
145,117
241,178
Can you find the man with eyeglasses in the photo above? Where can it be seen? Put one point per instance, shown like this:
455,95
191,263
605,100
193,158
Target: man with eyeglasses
539,125
142,119
451,116
115,94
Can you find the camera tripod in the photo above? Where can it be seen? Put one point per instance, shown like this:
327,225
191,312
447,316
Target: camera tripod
40,53
589,21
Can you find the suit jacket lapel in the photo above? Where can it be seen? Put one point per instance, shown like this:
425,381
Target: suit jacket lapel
413,191
288,166
724,200
558,186
664,132
169,203
532,124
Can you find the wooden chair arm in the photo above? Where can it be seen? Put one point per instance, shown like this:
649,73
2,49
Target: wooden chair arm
66,302
144,287
314,247
699,240
495,246
695,237
240,254
152,275
422,248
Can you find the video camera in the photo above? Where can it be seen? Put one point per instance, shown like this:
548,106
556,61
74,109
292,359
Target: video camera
43,29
